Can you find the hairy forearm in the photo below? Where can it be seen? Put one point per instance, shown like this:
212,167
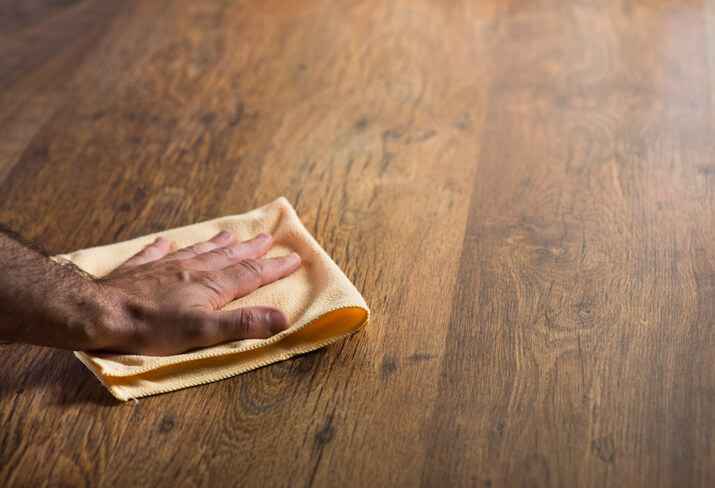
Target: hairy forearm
45,303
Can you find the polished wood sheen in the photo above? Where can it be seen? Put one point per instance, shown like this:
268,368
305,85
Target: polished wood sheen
522,190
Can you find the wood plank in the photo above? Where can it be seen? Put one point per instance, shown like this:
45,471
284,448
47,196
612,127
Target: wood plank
41,47
585,290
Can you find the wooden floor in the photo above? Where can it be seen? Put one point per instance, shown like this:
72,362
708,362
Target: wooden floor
522,190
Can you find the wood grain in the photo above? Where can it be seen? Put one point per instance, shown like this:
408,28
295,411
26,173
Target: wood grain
523,192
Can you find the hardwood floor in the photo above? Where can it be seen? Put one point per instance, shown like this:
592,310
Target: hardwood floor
522,191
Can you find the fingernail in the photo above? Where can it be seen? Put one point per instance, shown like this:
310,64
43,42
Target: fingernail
263,236
295,257
278,321
223,235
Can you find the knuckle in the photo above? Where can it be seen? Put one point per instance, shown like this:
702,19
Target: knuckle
207,278
246,321
250,268
184,275
229,252
212,281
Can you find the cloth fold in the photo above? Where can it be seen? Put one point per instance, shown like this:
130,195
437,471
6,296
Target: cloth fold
320,302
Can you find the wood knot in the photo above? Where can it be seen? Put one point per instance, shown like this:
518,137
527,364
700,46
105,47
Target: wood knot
167,424
325,434
604,449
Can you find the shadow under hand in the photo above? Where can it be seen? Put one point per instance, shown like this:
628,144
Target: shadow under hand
52,375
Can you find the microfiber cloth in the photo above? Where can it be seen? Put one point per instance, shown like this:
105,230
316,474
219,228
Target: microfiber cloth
320,302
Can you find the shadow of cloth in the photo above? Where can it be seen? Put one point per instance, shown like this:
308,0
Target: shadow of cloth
54,376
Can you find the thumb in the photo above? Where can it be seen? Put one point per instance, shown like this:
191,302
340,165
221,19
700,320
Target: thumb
250,323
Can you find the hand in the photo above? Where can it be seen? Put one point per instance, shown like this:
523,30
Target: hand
169,302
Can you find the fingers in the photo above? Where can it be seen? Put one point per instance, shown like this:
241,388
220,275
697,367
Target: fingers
250,274
154,251
225,256
162,247
223,238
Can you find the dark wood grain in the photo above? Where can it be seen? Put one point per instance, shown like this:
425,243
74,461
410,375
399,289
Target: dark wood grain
523,192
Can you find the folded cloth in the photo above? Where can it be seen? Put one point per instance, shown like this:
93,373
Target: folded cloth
320,302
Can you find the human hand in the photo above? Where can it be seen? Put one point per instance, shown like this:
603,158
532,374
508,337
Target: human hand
168,302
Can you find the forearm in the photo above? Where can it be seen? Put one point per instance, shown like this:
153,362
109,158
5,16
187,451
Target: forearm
45,303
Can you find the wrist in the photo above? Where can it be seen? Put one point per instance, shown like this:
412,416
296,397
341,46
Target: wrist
112,328
95,316
89,318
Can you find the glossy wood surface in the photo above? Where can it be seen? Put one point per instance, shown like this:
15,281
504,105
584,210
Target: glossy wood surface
522,190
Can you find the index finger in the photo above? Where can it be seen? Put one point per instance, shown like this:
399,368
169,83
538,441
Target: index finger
250,274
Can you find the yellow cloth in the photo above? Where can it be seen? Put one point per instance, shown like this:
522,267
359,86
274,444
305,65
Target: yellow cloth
321,304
